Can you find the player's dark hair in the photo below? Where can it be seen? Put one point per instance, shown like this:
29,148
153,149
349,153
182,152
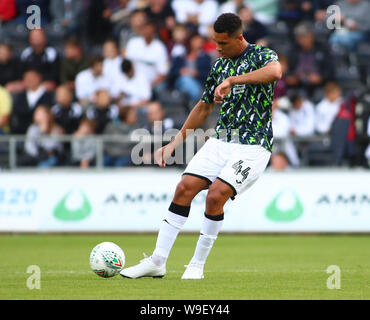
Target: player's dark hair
228,23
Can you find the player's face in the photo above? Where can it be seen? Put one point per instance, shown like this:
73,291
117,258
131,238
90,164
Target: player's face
228,46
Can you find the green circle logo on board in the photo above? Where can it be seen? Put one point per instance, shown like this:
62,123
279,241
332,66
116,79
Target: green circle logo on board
64,212
285,207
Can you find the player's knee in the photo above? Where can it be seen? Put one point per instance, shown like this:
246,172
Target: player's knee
183,190
215,199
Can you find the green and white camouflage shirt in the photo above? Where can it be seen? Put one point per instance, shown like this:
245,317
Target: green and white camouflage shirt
246,112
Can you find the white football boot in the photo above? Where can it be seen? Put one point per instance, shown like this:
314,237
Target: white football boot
193,271
146,268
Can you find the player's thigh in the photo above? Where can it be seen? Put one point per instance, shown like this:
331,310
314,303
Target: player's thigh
188,188
244,167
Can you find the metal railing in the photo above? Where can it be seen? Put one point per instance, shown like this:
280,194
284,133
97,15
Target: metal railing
11,145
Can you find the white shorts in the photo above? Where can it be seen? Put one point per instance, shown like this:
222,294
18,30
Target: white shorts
238,165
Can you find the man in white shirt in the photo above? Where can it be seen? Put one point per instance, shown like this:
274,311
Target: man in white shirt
149,55
134,89
328,108
200,13
89,81
281,127
302,117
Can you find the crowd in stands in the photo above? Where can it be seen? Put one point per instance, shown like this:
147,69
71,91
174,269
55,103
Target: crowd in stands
111,66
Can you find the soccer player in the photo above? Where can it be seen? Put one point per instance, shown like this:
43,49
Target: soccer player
242,80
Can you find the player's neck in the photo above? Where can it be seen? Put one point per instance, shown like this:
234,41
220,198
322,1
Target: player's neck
243,46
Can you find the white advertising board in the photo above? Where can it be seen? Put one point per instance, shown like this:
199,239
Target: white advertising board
136,200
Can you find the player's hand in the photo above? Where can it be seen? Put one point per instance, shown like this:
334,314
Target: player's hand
162,154
222,91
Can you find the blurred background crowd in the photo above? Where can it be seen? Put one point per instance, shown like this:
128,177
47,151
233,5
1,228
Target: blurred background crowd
108,67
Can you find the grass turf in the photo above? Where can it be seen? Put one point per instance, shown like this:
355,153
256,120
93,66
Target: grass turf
240,267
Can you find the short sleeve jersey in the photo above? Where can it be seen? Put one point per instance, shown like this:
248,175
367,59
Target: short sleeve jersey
246,112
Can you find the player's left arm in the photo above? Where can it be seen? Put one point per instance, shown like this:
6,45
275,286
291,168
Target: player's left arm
269,73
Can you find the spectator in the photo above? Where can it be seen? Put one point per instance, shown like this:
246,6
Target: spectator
118,154
163,16
180,36
355,23
10,73
112,60
231,6
149,56
253,29
42,146
89,81
328,108
281,127
137,22
266,11
35,94
197,14
8,10
103,111
121,16
302,117
83,145
157,121
279,162
5,110
67,14
134,90
367,151
41,57
310,62
281,86
73,63
67,113
189,72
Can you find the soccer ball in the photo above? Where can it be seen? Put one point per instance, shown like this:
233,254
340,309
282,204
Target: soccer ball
107,259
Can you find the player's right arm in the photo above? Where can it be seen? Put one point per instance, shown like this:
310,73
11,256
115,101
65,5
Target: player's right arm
196,118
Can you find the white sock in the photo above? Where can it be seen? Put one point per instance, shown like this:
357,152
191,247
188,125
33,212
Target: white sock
208,236
167,235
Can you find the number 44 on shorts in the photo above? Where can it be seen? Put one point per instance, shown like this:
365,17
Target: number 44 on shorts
238,167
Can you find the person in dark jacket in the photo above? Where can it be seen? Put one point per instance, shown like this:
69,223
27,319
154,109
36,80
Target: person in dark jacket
188,72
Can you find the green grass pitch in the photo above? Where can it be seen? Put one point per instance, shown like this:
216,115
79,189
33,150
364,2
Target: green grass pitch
240,267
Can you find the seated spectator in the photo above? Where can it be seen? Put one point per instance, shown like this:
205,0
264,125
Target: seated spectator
149,56
118,154
67,113
66,14
302,117
42,146
89,81
279,162
163,16
253,29
138,19
281,86
121,15
112,60
310,62
41,57
328,108
24,105
189,72
103,111
180,36
231,6
157,121
290,12
134,90
23,15
281,127
8,10
197,14
10,71
83,145
73,62
6,105
355,23
367,151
